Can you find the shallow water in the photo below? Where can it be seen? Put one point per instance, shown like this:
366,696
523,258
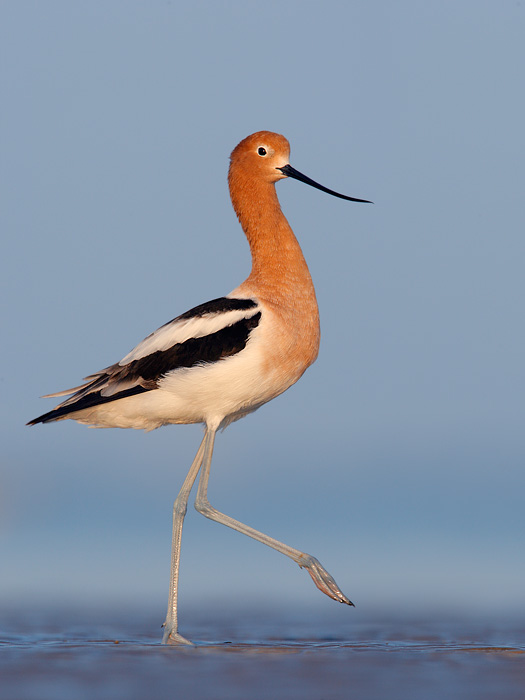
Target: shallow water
102,655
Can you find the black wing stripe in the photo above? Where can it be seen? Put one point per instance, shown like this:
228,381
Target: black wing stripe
86,402
194,351
217,306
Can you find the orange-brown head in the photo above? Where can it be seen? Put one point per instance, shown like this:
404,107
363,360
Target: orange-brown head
260,156
264,156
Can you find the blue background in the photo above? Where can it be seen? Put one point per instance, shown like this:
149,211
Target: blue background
398,459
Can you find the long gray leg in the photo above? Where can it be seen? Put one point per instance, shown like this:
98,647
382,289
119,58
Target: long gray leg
322,579
171,635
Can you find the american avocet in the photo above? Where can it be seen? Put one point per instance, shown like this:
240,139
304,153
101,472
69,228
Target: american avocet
223,359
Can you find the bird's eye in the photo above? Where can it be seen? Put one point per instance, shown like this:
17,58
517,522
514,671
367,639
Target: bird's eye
261,151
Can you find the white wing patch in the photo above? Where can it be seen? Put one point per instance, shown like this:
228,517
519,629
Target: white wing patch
181,329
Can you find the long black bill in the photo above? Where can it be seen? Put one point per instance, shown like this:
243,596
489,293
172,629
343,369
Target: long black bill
292,172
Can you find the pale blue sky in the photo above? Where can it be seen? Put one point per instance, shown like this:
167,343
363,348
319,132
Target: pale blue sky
398,460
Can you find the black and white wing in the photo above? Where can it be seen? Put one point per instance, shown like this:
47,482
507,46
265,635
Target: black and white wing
206,334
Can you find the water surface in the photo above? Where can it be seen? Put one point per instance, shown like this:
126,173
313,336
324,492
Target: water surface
59,654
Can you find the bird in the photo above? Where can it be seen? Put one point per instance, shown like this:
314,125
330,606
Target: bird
223,359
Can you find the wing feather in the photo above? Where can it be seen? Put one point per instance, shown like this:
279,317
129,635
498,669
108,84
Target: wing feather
199,322
205,334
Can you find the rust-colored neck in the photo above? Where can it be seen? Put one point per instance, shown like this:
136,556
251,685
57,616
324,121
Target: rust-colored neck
279,270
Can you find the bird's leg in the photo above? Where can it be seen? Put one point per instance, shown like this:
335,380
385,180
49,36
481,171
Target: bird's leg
322,579
171,635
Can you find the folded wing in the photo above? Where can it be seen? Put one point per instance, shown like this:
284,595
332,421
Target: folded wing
206,334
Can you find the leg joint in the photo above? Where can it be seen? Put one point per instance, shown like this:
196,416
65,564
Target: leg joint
202,506
180,506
